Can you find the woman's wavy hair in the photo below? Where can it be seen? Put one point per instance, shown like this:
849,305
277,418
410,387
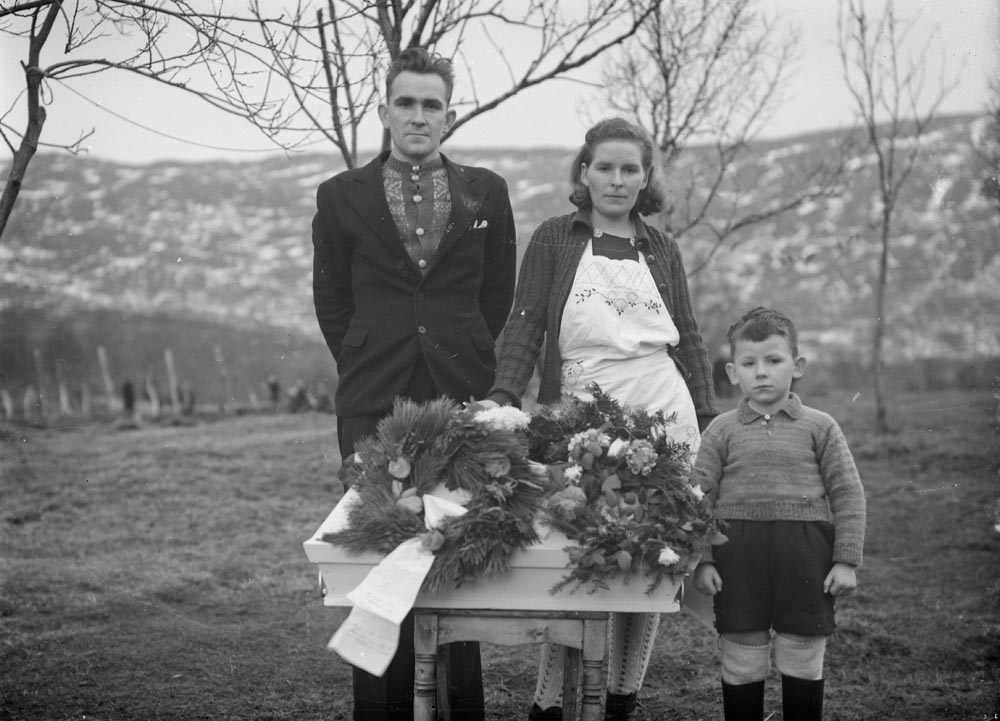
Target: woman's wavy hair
652,198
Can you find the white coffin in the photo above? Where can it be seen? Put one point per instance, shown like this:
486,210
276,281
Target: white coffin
526,587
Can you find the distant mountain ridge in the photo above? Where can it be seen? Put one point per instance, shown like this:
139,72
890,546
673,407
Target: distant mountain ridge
228,244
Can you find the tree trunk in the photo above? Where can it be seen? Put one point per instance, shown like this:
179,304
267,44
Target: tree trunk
24,153
878,360
36,118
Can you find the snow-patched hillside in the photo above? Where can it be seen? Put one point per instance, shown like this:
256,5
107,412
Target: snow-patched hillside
230,242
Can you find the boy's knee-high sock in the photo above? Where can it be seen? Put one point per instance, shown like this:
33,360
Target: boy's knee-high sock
632,636
744,670
743,702
549,687
801,699
743,664
800,656
800,661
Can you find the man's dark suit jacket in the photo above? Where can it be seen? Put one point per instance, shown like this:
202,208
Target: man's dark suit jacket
379,313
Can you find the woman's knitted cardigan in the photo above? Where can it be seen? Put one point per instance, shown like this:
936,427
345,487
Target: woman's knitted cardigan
543,286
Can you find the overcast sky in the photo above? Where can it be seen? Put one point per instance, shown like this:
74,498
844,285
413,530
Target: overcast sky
550,115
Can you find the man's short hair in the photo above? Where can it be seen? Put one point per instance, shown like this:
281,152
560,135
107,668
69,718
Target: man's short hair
760,324
419,60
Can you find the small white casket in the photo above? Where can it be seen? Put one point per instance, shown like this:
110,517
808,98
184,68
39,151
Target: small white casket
533,572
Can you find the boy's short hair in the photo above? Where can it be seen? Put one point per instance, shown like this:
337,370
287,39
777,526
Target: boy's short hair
761,323
419,60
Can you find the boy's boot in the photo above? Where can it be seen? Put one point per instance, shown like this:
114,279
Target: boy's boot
743,702
801,700
620,707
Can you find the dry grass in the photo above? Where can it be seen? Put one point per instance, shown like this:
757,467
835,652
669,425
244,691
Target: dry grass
158,573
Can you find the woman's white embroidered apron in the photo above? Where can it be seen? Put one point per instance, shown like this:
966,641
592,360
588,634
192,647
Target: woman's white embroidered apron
615,329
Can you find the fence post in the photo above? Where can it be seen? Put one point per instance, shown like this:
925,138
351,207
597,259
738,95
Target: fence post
65,404
30,404
41,382
8,404
227,394
154,397
175,396
109,388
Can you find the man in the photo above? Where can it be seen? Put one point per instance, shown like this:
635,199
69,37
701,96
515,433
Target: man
413,278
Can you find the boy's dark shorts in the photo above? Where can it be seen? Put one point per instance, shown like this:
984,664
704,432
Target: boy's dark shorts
772,577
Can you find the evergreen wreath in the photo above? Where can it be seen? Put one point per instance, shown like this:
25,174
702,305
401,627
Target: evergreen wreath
621,492
420,446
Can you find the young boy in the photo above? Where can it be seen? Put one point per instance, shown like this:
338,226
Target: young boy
784,482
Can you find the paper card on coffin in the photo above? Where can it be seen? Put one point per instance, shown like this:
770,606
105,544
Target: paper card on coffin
526,586
366,640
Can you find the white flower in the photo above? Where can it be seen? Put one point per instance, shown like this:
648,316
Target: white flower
698,493
399,467
588,441
641,457
668,556
573,473
506,418
617,446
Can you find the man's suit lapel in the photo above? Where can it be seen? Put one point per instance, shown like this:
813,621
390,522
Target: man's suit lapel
467,196
366,194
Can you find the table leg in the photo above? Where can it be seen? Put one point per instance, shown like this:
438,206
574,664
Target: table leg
425,643
571,683
595,647
443,681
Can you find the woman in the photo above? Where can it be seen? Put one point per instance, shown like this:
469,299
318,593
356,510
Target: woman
608,295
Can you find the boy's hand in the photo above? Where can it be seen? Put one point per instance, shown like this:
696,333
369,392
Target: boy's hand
707,579
841,580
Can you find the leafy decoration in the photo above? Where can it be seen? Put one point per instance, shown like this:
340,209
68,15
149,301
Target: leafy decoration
621,492
420,447
610,478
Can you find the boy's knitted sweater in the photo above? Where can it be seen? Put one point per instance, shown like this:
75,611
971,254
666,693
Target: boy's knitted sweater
792,466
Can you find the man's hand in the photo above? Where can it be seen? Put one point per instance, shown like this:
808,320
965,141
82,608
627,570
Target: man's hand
707,579
841,580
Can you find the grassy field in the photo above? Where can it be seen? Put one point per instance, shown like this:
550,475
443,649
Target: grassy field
158,573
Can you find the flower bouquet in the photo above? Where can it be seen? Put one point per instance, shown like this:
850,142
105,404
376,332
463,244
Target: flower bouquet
621,492
477,457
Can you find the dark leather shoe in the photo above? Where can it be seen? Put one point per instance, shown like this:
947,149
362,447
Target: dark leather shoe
620,707
552,713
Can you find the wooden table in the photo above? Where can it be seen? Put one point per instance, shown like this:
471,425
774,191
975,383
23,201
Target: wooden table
510,610
585,633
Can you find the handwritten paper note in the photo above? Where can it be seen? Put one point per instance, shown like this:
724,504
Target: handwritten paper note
366,640
391,588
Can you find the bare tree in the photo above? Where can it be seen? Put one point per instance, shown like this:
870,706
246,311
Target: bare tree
305,75
212,56
989,149
711,72
894,113
334,66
